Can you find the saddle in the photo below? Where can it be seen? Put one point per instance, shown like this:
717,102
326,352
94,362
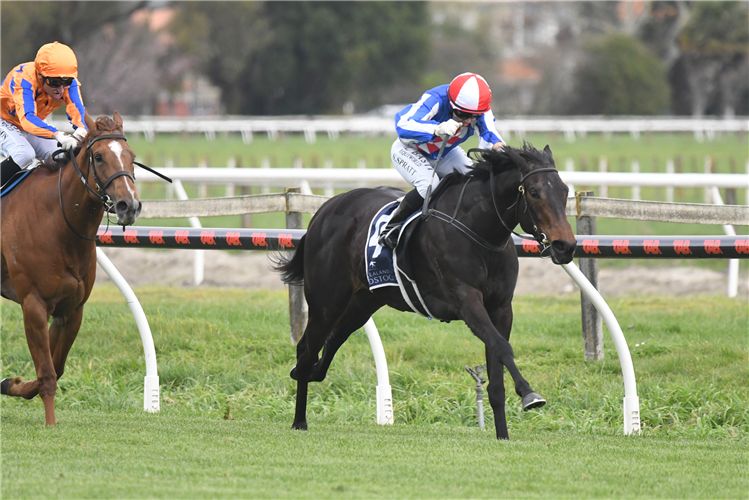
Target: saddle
14,181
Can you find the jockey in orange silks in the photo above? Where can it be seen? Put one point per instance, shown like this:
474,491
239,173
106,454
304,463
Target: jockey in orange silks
29,94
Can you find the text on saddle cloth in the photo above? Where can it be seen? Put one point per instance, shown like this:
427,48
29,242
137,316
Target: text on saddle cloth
381,262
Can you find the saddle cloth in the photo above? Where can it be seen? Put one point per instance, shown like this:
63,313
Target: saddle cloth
15,181
382,263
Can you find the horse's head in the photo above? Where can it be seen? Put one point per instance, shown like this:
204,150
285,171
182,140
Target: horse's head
111,160
542,201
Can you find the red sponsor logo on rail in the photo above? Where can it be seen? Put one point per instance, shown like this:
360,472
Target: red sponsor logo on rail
105,237
206,237
156,237
258,240
181,237
530,246
681,247
131,236
651,247
591,246
284,240
742,246
712,247
232,238
622,247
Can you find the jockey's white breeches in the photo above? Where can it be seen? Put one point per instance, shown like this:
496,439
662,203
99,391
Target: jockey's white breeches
24,147
417,169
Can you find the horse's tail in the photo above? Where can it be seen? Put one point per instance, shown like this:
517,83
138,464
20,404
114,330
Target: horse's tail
291,269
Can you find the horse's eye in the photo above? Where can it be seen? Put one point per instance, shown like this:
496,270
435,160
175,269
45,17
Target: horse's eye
98,157
534,193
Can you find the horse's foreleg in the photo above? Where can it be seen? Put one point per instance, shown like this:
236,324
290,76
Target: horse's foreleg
502,321
62,334
37,337
495,373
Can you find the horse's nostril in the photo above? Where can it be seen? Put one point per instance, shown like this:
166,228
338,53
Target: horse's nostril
561,246
122,207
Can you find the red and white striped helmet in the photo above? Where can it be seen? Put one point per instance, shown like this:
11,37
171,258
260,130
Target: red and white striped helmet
469,92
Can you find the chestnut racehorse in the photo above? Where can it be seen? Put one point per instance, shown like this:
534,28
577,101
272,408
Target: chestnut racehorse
49,225
462,258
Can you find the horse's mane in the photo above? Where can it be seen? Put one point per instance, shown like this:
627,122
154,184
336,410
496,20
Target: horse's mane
487,161
105,124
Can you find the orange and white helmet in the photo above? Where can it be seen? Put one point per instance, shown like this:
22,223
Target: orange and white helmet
470,93
56,60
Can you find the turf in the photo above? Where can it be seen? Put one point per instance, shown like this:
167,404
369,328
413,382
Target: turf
227,405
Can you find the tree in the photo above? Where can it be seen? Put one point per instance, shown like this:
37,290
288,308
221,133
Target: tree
619,76
303,57
715,46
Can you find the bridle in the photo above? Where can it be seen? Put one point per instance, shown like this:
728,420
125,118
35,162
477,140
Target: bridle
538,236
100,191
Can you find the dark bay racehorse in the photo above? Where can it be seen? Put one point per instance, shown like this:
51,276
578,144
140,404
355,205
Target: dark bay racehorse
49,225
463,276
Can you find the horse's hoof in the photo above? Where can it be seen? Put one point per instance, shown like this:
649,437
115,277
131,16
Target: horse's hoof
299,426
533,400
6,383
292,374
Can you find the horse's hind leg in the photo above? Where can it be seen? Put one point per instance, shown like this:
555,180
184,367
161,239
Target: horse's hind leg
37,338
360,309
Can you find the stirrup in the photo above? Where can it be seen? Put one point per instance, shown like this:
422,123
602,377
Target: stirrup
389,238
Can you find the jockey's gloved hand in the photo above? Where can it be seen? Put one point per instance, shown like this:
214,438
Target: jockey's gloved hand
66,141
80,134
447,129
498,146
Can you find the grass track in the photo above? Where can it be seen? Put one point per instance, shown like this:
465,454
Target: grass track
227,405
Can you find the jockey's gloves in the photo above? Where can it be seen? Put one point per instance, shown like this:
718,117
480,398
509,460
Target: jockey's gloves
80,134
66,141
447,129
498,146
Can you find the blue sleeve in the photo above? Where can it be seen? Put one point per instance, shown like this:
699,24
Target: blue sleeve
29,112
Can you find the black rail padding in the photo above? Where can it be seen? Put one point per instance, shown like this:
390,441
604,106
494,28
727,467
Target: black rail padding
199,238
649,247
588,246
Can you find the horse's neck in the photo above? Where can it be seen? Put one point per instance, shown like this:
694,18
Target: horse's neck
82,208
479,210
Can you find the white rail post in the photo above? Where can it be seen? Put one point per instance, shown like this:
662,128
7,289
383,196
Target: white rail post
631,401
298,311
636,188
265,163
199,262
230,163
202,187
591,321
670,189
384,391
603,166
329,191
569,166
733,264
151,382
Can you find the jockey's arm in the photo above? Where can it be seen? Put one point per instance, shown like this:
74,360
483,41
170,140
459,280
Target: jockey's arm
415,123
74,105
489,137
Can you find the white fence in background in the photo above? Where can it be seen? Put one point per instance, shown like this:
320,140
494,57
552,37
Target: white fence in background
334,126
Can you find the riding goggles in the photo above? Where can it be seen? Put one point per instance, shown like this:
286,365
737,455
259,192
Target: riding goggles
55,82
465,115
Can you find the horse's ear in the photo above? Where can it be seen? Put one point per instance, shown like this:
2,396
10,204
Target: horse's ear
547,150
90,123
117,120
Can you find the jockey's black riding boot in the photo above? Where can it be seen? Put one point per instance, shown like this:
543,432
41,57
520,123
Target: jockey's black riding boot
410,204
8,169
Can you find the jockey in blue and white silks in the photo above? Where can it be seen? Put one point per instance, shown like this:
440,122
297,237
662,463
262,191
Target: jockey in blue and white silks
449,113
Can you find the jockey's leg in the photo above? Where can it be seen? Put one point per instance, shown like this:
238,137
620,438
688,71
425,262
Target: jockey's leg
410,204
8,169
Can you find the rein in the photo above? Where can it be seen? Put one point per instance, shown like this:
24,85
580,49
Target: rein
541,238
100,191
